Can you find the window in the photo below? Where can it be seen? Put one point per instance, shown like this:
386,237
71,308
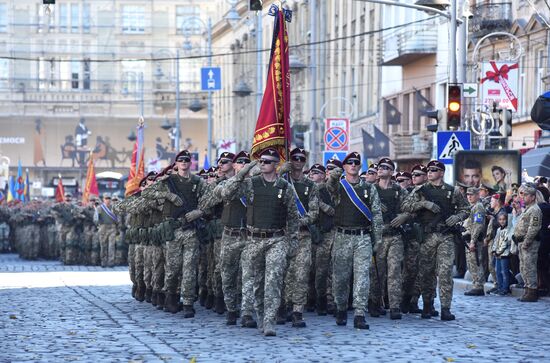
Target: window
3,18
75,70
541,67
86,18
4,73
53,73
75,18
63,18
42,73
133,19
131,71
183,13
86,76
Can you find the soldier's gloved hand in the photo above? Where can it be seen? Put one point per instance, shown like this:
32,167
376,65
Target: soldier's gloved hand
399,220
431,206
453,221
193,215
471,247
285,168
383,208
326,208
244,171
175,199
255,171
335,174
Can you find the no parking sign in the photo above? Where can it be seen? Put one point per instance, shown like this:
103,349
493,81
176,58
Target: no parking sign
336,134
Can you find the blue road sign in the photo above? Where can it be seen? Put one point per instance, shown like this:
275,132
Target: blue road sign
211,79
449,142
340,155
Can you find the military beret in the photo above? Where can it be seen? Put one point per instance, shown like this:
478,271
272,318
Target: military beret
93,198
388,162
270,152
543,179
68,194
436,164
242,155
334,162
318,167
373,167
472,190
106,195
404,174
298,151
486,187
182,154
115,197
363,173
210,170
352,155
226,155
419,168
462,185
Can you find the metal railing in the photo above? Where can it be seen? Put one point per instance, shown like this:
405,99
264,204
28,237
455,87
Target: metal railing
411,40
492,17
412,146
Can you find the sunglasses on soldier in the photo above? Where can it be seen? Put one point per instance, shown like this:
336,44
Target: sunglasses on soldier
266,161
353,162
243,161
224,161
299,158
330,167
416,174
184,159
434,170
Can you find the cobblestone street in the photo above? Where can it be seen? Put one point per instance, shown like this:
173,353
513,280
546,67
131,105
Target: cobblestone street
54,313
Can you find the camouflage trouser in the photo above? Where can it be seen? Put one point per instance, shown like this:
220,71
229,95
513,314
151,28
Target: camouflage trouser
351,253
138,263
87,241
297,275
132,263
411,285
248,278
181,260
121,249
388,261
96,250
491,263
107,240
52,248
72,247
62,240
202,274
528,263
230,261
476,270
158,268
30,242
436,258
268,259
323,265
148,265
217,276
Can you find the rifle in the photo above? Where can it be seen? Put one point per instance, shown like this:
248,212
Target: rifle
378,282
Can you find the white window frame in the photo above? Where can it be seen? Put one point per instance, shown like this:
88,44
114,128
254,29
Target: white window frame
133,19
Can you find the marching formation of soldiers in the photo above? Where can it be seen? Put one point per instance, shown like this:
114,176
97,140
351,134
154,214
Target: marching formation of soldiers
69,231
265,241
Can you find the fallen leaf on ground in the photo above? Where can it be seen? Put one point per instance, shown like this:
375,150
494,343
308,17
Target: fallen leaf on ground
471,346
449,359
12,316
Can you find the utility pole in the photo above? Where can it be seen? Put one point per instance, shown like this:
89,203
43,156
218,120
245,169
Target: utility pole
313,69
209,146
178,129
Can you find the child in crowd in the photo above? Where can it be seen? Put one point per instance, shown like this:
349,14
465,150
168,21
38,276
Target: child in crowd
501,252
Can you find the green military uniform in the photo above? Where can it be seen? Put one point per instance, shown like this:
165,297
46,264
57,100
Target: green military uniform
106,221
475,229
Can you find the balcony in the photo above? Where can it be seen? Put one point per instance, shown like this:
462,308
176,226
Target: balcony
416,146
409,44
489,18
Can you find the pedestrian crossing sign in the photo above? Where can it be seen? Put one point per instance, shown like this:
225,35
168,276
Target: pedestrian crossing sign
450,142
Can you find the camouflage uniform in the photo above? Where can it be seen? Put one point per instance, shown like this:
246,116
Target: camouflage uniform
64,217
526,233
323,249
127,207
267,248
475,227
73,243
389,257
354,238
148,246
107,235
121,244
5,245
437,249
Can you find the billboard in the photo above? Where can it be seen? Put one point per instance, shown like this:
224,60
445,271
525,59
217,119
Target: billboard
497,169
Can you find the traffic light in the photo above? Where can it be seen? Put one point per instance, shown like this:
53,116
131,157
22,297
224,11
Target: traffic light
438,116
454,106
255,5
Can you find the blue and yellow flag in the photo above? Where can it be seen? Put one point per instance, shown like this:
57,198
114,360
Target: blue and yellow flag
19,184
27,187
11,184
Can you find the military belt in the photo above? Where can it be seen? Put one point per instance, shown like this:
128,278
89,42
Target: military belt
353,231
278,233
233,232
180,224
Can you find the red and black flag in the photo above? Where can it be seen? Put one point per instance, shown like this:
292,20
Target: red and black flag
273,125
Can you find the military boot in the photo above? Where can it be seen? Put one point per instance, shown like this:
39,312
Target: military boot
281,315
322,306
134,289
148,295
341,317
209,304
310,306
140,293
331,308
360,323
405,303
188,311
231,318
530,296
297,320
426,310
446,314
269,329
289,311
160,301
219,305
202,297
395,314
248,322
171,303
434,312
474,292
154,299
413,308
374,309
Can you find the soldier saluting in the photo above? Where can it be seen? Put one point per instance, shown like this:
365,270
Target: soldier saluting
357,217
439,207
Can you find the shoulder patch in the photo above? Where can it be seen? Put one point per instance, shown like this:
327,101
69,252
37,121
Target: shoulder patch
478,218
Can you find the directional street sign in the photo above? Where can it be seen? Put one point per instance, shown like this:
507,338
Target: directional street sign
337,134
211,79
469,90
449,142
339,155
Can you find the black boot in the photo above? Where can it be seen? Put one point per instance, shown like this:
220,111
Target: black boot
281,315
297,320
154,299
289,311
160,301
434,312
202,297
446,314
231,318
209,301
427,310
405,303
341,317
474,292
148,294
219,305
140,293
374,309
331,308
531,295
134,289
395,314
188,311
171,303
322,306
310,306
413,308
360,323
248,322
